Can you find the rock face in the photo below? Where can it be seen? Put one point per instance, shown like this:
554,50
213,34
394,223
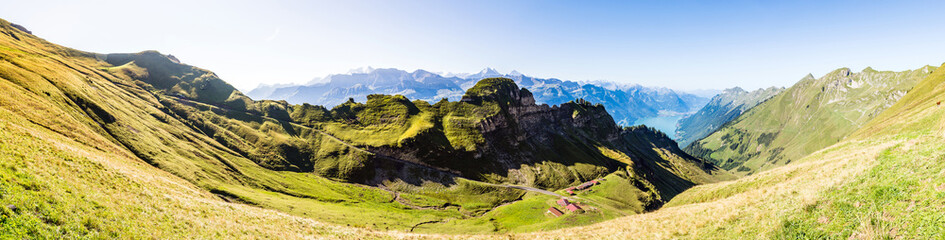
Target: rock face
20,27
189,122
724,107
149,109
522,127
811,115
625,103
495,133
552,146
520,134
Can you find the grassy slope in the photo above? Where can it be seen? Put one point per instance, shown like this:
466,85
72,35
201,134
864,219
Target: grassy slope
885,181
61,187
811,115
225,151
721,109
472,203
66,176
617,196
70,93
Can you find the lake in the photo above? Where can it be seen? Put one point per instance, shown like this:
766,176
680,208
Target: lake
666,124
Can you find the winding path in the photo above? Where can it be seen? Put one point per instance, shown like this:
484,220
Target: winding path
538,190
356,148
451,173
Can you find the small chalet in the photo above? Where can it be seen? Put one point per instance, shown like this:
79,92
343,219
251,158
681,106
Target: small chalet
587,185
572,207
583,186
563,202
555,211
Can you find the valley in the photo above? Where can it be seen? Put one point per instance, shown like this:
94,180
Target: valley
627,104
142,145
780,130
664,122
722,109
479,164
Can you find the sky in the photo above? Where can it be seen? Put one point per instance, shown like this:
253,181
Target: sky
685,45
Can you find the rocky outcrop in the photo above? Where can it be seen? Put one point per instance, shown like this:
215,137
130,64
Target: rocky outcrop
540,145
20,27
496,133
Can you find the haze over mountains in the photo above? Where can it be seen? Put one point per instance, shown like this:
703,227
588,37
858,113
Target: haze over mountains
626,103
723,107
140,145
490,161
812,114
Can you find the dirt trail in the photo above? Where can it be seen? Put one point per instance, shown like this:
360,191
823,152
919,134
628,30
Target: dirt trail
538,190
451,173
445,171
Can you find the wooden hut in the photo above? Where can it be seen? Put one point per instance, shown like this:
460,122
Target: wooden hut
555,211
563,202
572,207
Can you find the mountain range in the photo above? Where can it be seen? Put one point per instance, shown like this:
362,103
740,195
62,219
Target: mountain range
812,114
141,145
721,109
626,103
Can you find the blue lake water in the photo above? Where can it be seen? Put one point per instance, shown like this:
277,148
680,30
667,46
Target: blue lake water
666,124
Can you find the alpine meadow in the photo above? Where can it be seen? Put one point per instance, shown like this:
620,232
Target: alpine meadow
143,144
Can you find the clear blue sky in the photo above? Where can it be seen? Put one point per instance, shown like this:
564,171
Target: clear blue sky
677,44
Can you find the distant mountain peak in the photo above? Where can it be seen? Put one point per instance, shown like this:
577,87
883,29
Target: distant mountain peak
626,103
810,76
424,72
489,71
841,72
734,90
361,70
724,107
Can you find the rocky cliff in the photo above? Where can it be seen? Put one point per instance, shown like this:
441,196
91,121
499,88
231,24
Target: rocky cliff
495,133
127,124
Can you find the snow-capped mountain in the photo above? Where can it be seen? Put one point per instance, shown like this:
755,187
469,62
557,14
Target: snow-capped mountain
626,103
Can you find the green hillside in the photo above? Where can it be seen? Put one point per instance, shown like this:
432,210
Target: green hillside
811,115
721,109
884,181
140,145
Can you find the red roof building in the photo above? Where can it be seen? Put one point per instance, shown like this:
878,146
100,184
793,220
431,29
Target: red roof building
572,207
563,202
555,211
583,186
